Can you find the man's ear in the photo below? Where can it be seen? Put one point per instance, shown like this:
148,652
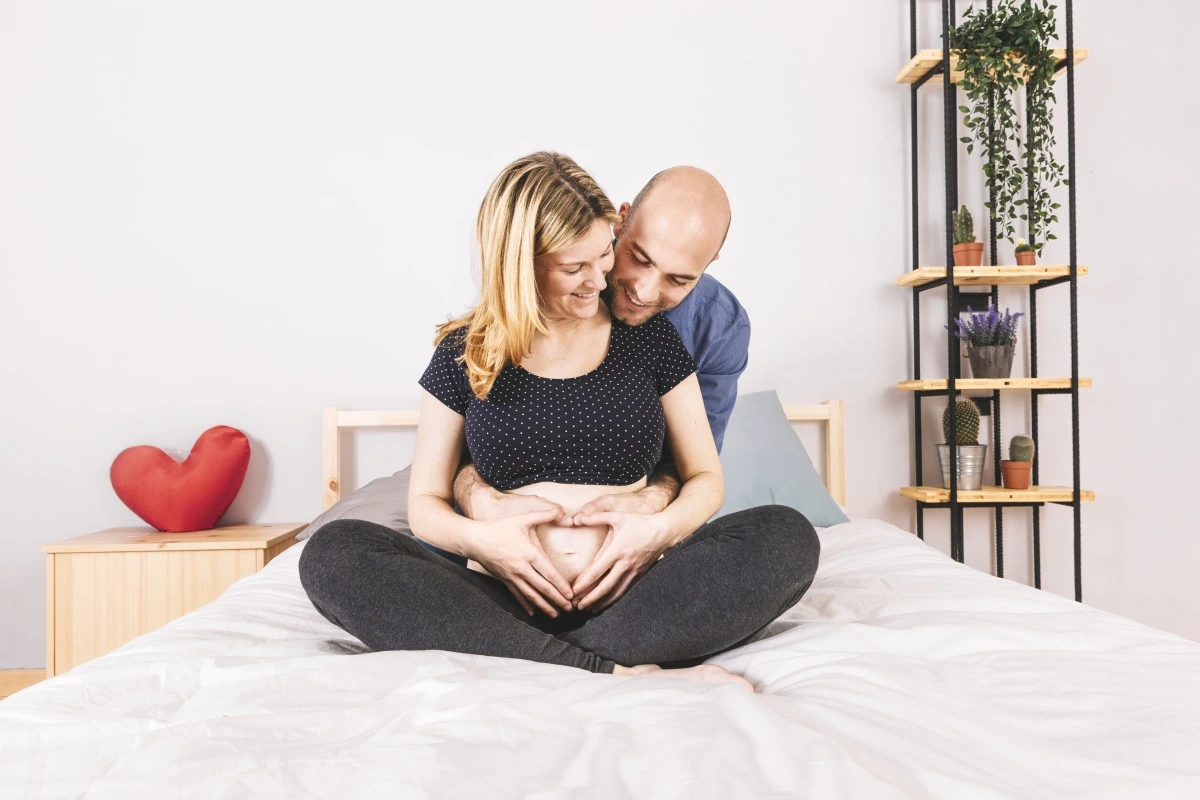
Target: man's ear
622,218
718,255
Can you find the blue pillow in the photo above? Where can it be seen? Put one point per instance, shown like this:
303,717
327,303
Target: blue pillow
765,463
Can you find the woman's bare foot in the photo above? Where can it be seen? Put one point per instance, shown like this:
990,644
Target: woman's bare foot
707,673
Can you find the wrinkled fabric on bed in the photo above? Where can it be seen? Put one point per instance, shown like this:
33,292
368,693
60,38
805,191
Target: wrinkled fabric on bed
901,673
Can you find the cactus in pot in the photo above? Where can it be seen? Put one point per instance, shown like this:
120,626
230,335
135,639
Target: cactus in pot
969,453
1026,253
964,226
1020,462
967,251
966,419
1021,448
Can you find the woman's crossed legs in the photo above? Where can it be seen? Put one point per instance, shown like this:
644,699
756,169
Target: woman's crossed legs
713,590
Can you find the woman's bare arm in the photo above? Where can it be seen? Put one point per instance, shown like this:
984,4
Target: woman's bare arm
696,461
440,439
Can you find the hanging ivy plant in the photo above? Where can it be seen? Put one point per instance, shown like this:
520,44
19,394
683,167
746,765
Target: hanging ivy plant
998,52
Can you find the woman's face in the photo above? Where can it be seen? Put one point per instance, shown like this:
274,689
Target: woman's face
570,281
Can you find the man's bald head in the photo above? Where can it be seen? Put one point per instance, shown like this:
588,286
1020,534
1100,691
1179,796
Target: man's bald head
666,238
688,191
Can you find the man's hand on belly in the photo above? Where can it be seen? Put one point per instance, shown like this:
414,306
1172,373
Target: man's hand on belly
494,505
633,544
481,502
646,501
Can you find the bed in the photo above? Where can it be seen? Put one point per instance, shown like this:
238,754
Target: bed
900,674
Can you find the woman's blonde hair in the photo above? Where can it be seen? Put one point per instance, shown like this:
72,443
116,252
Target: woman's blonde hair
539,205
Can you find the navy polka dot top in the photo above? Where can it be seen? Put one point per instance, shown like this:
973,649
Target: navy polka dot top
604,428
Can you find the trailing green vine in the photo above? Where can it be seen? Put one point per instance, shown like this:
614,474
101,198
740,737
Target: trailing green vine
999,52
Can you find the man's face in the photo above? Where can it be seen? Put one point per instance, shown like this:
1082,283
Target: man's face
659,258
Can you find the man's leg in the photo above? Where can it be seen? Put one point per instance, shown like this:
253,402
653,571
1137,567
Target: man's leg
714,589
393,594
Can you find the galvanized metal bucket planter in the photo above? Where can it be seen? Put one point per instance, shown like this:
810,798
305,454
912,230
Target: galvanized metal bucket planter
971,459
991,361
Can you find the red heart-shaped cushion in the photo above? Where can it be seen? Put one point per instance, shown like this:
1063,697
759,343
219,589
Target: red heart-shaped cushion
188,495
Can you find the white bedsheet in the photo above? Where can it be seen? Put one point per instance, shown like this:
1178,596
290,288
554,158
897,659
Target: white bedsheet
900,674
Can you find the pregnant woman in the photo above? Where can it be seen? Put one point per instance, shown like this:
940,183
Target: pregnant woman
554,397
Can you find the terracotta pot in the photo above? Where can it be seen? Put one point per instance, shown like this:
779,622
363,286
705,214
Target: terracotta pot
1026,258
968,255
1016,474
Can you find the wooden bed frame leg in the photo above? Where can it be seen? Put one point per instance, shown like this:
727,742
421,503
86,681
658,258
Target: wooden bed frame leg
331,458
835,451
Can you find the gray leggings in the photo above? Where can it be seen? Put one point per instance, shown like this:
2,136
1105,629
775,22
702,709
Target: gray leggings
713,590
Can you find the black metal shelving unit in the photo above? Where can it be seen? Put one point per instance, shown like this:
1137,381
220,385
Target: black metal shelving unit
952,502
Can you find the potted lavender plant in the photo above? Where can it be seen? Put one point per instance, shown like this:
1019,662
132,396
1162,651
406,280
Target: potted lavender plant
991,338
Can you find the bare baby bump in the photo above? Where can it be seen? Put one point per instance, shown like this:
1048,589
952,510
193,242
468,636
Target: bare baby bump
571,548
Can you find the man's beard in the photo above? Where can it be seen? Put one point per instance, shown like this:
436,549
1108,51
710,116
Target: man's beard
623,308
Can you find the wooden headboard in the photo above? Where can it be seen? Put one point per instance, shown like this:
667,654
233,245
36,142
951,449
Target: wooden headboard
334,420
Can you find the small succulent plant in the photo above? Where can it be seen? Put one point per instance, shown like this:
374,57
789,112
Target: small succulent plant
964,226
966,418
1024,247
1021,448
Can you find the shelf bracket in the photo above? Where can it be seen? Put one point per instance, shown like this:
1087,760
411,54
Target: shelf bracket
924,78
973,299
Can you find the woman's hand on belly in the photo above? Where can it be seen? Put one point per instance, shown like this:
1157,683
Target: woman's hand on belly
570,545
632,544
510,550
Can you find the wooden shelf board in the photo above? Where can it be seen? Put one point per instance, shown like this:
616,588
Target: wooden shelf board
231,537
925,60
991,276
939,384
997,494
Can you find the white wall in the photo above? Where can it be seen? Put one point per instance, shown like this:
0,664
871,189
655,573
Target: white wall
228,213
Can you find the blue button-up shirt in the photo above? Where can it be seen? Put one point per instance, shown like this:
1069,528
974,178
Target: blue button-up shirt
716,331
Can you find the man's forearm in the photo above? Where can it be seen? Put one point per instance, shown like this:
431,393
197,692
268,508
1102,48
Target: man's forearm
468,485
664,485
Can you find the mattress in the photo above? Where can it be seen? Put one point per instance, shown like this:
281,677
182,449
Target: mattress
900,674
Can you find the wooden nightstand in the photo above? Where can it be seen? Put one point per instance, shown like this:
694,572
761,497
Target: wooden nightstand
106,588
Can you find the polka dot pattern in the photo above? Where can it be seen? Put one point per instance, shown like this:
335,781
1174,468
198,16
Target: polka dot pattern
605,427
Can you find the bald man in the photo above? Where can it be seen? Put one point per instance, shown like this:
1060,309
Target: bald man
666,239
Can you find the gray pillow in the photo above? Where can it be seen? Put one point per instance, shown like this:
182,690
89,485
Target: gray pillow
765,463
383,500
